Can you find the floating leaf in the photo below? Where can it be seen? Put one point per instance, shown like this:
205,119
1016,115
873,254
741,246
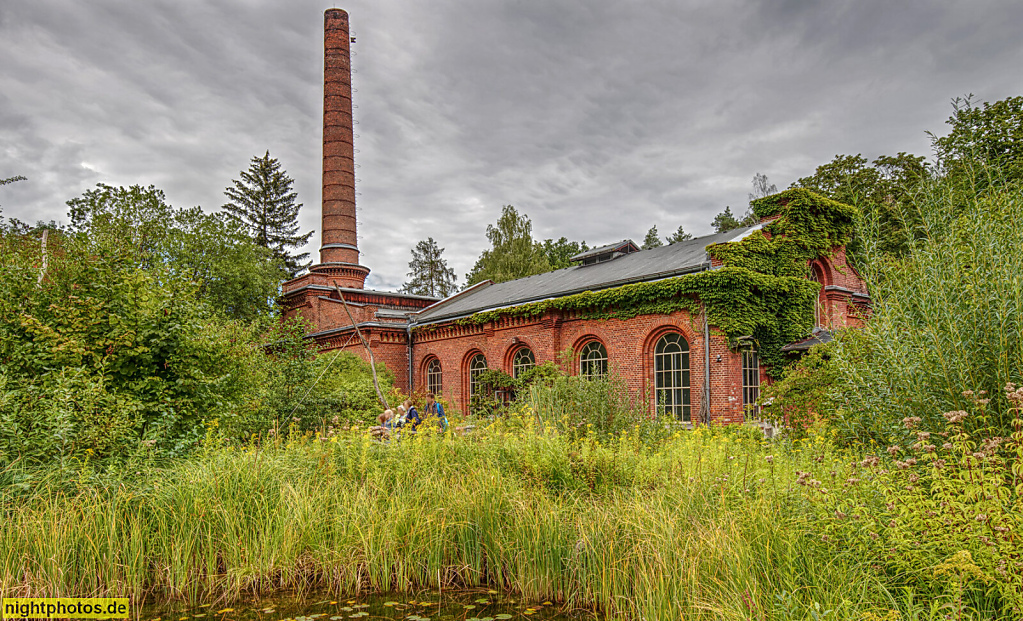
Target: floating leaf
358,614
224,611
487,619
547,604
492,592
347,608
332,603
469,607
335,618
361,606
483,600
502,616
390,603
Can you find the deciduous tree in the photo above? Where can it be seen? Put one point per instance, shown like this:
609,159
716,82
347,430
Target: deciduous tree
513,252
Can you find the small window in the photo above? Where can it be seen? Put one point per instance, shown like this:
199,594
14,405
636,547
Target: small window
522,361
819,312
433,377
593,360
671,376
477,366
750,382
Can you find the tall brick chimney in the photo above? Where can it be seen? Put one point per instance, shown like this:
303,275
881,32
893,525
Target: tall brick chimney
339,252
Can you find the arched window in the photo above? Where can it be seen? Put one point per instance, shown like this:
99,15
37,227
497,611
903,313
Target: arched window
433,376
522,361
750,382
671,376
477,366
593,360
819,312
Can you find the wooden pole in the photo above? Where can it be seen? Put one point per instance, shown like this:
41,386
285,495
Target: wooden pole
372,363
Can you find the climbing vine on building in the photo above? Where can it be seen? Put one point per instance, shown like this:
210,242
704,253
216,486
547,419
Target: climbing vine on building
760,288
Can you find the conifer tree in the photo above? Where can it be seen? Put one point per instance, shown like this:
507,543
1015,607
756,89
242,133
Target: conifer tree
725,221
264,203
679,235
429,273
651,240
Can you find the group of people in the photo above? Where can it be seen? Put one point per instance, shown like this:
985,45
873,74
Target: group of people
408,417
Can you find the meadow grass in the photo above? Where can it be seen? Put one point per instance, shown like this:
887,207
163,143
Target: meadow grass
698,525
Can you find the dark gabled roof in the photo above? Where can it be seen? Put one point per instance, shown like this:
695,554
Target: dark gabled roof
817,337
625,246
652,264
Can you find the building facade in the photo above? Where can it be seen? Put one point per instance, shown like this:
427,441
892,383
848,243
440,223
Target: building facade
686,326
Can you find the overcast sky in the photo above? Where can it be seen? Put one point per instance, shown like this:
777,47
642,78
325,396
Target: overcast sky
598,119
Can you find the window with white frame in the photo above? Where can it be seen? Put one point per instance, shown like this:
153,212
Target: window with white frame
671,376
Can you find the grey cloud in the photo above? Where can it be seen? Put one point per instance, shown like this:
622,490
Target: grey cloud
598,119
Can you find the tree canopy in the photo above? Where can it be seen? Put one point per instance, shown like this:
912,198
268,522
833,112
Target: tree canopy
679,235
513,252
263,201
559,252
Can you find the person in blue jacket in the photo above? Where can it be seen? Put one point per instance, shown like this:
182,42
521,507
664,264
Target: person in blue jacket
412,418
435,409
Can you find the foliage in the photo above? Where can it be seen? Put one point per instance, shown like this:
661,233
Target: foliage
263,201
991,135
513,252
713,523
559,252
803,398
726,221
429,273
651,240
135,228
884,190
679,235
103,358
938,512
760,291
946,315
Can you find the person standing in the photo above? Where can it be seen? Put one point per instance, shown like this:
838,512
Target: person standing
433,408
412,418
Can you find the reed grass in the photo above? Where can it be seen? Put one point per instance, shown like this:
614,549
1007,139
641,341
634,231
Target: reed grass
698,526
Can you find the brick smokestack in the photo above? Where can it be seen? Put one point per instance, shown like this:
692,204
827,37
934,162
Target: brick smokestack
339,252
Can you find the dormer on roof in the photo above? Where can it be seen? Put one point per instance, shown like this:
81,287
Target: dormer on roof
605,253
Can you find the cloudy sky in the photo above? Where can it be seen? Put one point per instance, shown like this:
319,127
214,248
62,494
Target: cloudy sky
596,118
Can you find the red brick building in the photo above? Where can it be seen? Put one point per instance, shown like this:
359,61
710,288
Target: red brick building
678,360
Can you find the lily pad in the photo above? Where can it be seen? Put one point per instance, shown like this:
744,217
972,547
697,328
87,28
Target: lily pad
502,616
483,600
225,611
470,607
336,617
347,608
390,603
358,614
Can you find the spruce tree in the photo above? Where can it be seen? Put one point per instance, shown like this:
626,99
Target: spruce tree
725,221
429,273
264,203
651,240
678,236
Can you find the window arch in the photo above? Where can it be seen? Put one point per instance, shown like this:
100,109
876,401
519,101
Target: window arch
434,376
477,366
522,361
593,360
819,310
671,376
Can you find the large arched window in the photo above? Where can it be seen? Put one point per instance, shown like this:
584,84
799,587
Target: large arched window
593,360
433,376
522,361
671,376
477,366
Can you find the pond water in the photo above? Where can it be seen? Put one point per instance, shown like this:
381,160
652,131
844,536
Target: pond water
466,605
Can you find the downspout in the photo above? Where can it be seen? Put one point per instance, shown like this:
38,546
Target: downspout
411,375
706,366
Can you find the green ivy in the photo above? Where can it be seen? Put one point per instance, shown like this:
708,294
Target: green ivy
760,290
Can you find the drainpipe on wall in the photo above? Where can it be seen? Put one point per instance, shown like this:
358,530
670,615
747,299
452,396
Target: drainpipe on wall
411,375
706,366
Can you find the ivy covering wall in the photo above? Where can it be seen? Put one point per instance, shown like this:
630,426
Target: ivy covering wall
760,290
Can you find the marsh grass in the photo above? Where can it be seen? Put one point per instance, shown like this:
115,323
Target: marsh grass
698,526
